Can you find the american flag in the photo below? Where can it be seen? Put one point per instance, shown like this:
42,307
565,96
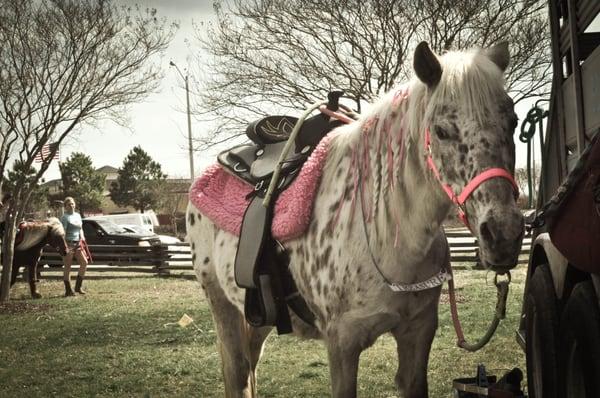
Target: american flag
45,152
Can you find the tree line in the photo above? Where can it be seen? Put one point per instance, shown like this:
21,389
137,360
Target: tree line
140,184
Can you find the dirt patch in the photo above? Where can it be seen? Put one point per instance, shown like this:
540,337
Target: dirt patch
15,307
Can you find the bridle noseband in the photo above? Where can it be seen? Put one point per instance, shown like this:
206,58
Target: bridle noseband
460,199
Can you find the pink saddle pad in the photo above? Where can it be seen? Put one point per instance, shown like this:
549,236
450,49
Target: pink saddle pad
221,197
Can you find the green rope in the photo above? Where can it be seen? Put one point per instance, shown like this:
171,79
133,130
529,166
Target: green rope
499,314
534,117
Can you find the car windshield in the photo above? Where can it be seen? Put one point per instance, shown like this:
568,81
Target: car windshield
110,227
136,229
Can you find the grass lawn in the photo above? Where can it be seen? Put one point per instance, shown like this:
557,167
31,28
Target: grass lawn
121,340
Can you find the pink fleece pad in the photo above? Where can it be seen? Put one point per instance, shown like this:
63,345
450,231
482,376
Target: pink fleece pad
221,197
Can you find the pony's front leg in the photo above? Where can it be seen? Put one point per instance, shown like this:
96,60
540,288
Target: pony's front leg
343,367
413,345
32,274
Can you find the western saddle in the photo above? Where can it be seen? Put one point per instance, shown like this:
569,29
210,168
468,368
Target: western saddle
261,263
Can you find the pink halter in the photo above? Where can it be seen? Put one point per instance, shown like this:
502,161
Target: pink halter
459,200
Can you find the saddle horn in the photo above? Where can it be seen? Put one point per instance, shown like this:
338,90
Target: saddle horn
333,99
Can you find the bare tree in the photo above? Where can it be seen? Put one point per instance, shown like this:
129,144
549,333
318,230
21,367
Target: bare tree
63,63
279,55
528,181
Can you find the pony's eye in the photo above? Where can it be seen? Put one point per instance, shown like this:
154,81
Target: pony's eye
441,133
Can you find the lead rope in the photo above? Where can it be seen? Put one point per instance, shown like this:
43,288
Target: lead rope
499,314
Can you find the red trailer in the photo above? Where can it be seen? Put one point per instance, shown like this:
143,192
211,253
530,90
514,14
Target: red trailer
560,324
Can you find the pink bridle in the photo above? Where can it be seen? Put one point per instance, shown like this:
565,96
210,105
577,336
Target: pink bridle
460,199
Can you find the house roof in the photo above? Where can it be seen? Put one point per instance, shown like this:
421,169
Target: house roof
108,169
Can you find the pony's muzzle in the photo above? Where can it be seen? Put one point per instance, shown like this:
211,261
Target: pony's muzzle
501,233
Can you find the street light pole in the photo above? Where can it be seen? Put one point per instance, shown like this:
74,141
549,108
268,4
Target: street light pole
189,119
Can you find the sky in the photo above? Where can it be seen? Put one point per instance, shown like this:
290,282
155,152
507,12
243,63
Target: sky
159,123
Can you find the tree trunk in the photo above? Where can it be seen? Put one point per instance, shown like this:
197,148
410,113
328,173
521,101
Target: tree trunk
8,244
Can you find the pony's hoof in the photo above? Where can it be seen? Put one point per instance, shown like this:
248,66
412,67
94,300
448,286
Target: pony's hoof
36,295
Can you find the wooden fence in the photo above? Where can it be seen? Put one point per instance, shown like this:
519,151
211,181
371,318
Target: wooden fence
176,259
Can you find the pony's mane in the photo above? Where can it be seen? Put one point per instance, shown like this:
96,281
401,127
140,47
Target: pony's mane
469,79
56,226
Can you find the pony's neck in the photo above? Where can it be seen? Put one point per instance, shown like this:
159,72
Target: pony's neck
404,205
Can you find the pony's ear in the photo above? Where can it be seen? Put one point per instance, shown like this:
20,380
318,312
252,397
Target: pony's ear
426,64
499,55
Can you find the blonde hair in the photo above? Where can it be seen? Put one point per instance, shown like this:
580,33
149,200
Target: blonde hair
68,198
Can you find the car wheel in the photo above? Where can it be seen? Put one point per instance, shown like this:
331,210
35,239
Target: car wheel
580,343
541,323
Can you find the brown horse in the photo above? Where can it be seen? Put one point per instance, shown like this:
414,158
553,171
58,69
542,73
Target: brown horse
31,239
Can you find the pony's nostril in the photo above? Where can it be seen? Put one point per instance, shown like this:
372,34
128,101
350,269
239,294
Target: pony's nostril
484,231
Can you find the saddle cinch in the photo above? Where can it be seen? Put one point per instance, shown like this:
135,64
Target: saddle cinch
261,263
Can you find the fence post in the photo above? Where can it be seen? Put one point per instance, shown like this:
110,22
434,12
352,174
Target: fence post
161,252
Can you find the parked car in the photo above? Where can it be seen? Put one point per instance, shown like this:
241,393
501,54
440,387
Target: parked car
146,221
164,239
105,232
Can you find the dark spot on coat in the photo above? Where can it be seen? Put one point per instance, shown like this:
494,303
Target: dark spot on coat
206,260
348,190
192,219
334,207
326,254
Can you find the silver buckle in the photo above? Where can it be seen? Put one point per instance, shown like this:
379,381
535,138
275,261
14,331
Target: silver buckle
239,170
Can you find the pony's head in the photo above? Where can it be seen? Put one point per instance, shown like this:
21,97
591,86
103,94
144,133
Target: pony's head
471,121
56,236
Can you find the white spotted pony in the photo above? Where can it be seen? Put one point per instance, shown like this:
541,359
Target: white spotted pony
389,181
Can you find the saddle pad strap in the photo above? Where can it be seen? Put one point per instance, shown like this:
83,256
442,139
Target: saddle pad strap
253,234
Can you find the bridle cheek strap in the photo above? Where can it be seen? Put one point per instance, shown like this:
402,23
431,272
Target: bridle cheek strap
459,200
